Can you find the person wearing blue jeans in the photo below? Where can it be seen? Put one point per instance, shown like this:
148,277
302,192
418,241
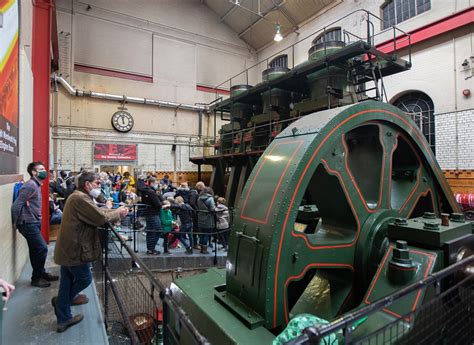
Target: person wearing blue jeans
73,280
26,216
153,233
153,201
37,247
78,244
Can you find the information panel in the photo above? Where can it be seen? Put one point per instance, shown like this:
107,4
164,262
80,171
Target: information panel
115,152
9,83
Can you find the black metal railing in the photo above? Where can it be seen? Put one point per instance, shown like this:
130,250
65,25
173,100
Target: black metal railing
132,297
139,227
366,33
447,317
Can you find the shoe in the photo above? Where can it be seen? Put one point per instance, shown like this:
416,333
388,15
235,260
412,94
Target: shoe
49,277
167,252
75,320
53,303
80,299
153,252
197,247
189,250
204,249
41,283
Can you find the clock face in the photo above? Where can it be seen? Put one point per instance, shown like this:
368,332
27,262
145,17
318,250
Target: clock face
122,121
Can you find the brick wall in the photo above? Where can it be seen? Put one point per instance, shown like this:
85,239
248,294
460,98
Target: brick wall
154,151
454,134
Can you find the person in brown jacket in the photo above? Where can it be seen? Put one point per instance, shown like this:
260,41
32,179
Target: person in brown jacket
78,245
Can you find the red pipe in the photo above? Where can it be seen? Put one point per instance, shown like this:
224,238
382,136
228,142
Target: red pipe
437,28
465,200
41,64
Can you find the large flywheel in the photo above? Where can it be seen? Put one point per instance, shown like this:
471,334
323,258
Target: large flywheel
310,228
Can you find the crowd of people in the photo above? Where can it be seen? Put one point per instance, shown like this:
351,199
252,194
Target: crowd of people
192,217
81,202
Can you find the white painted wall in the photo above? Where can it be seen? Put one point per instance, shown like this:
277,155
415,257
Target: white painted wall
13,248
436,67
180,44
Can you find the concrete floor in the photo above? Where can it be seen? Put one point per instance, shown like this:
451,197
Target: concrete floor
30,318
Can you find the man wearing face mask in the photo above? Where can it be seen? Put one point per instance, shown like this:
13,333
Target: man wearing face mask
26,216
78,244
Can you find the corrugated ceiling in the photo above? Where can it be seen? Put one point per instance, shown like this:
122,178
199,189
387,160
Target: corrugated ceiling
258,31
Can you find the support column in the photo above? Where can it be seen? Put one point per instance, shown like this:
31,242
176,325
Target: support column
41,66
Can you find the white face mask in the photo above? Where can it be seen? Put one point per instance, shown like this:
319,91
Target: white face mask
94,192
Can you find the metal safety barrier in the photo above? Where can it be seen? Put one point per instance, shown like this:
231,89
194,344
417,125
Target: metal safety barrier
132,297
447,318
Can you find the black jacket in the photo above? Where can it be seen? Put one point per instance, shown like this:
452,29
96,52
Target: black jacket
184,211
150,197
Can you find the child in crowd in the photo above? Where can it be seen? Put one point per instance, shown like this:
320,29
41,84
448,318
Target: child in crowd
223,221
185,213
167,223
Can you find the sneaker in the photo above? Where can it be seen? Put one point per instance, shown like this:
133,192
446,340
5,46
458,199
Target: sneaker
153,252
80,299
49,277
41,283
75,320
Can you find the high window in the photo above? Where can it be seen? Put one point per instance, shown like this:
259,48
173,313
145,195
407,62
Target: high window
397,11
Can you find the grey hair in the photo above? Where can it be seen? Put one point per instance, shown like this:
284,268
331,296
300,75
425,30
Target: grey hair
86,176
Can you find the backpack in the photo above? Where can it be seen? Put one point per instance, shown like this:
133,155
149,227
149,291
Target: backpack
16,189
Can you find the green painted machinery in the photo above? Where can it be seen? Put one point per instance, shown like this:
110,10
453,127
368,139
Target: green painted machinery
342,208
332,86
230,133
265,126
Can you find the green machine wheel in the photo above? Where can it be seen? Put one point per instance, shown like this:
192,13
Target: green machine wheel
310,230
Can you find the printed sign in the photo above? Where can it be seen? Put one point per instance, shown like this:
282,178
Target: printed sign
9,81
115,152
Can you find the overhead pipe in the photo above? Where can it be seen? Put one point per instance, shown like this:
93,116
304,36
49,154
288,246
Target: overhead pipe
122,98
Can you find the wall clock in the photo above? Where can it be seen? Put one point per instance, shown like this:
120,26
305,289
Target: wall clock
122,121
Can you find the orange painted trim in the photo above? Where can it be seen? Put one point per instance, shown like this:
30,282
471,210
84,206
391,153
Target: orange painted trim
362,198
415,131
390,177
305,238
379,270
265,221
299,276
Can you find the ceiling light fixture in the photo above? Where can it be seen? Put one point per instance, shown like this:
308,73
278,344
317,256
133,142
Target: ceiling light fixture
278,37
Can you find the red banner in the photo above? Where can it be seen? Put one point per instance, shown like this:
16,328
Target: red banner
115,152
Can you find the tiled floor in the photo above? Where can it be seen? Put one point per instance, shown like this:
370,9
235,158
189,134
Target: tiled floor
30,318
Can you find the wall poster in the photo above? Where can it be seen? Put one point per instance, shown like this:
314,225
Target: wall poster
9,86
115,152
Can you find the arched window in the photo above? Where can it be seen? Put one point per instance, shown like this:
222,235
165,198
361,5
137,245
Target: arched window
421,108
397,11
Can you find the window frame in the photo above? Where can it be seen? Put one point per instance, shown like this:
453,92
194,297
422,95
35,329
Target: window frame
399,16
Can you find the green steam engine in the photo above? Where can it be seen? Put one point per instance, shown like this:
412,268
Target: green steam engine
345,205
